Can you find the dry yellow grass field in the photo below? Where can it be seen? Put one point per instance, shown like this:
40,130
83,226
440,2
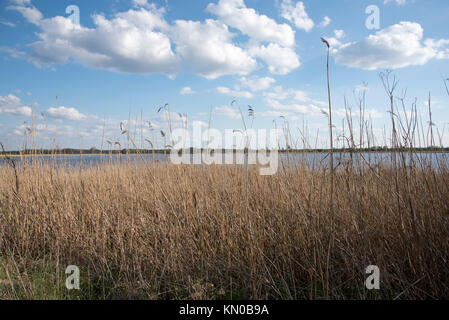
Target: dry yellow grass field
218,232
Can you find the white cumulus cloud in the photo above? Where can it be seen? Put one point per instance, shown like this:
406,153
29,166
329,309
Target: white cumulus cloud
280,60
291,100
258,27
12,104
296,14
397,46
141,41
234,93
29,12
256,84
227,112
186,90
326,21
65,113
130,42
208,49
310,109
339,34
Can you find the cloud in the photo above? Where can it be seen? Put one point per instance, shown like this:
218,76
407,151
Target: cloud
227,112
259,28
208,49
367,113
143,3
398,2
65,113
291,100
28,11
130,42
140,3
235,93
12,104
199,123
440,46
278,93
256,84
17,54
186,90
176,119
272,114
310,109
141,41
21,2
326,21
339,34
296,14
280,60
277,53
397,46
62,130
7,23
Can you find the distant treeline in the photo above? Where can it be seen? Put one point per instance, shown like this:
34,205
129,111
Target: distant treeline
94,151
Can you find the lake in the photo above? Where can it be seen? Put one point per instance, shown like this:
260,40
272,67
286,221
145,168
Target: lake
311,159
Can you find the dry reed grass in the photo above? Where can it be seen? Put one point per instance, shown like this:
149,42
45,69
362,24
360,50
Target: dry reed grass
165,231
159,231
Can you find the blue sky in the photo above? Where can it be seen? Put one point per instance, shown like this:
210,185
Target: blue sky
127,58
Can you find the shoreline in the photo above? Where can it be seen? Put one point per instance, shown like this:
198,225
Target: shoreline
3,156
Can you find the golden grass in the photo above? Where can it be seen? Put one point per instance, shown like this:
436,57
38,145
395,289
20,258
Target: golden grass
188,232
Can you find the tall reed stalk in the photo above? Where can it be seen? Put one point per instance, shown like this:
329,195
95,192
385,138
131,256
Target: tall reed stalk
331,139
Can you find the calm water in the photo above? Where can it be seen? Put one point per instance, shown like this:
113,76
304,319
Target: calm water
311,159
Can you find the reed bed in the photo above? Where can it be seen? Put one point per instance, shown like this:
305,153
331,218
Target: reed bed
149,230
161,231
